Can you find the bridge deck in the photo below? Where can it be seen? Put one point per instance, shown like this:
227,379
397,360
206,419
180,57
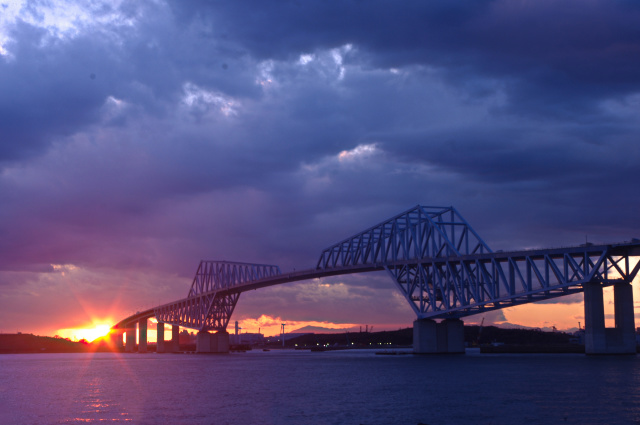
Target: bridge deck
473,283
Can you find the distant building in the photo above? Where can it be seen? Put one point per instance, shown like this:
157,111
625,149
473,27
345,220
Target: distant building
186,338
577,337
287,336
246,338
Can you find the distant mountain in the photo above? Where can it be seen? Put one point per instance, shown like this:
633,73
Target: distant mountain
321,330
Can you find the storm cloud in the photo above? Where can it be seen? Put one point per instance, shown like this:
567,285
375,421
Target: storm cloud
137,138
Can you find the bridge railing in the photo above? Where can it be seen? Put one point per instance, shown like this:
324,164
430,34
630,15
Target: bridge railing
421,232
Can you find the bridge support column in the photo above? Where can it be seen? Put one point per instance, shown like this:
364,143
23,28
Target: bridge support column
175,338
160,338
601,340
223,341
212,343
142,336
595,340
624,316
131,337
430,337
115,337
203,342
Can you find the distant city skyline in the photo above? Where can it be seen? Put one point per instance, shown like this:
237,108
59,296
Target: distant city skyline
138,138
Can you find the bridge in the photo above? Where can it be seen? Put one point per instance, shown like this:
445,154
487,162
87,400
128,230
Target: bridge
441,266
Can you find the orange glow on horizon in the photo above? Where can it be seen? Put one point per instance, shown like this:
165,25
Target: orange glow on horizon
271,326
88,334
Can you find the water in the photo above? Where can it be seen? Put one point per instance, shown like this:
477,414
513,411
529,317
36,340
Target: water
297,387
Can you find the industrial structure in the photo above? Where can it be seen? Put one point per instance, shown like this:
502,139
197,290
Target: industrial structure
441,266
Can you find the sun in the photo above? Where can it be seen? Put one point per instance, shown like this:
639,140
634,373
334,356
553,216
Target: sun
88,334
97,332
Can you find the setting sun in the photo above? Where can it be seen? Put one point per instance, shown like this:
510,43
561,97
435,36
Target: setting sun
88,334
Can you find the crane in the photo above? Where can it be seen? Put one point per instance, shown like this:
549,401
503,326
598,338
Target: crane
480,331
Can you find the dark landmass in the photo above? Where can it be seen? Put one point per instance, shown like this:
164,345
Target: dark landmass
473,336
28,343
489,338
399,338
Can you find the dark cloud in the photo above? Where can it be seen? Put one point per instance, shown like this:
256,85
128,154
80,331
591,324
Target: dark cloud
55,86
555,58
164,134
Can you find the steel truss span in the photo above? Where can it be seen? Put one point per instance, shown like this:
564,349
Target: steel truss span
437,260
472,284
210,303
421,232
445,270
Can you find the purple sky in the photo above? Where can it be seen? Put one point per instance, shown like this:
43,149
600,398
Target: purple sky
137,138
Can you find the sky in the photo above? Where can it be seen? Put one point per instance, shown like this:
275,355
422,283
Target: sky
140,137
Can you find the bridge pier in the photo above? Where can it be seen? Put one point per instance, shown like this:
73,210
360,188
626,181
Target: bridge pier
212,343
175,338
430,337
600,340
115,337
160,338
130,337
142,335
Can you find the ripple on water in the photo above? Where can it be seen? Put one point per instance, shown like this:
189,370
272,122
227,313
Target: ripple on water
292,387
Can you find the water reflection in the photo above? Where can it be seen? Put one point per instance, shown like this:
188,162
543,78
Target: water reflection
332,388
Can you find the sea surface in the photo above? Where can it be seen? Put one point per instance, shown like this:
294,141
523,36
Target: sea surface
302,387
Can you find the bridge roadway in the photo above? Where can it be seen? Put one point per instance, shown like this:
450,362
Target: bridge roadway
522,297
294,276
444,270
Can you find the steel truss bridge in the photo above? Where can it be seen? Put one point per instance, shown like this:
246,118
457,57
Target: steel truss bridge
434,257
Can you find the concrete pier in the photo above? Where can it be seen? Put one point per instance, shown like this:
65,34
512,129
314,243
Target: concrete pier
115,337
600,340
430,337
594,335
175,338
160,338
142,336
212,343
624,315
130,337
